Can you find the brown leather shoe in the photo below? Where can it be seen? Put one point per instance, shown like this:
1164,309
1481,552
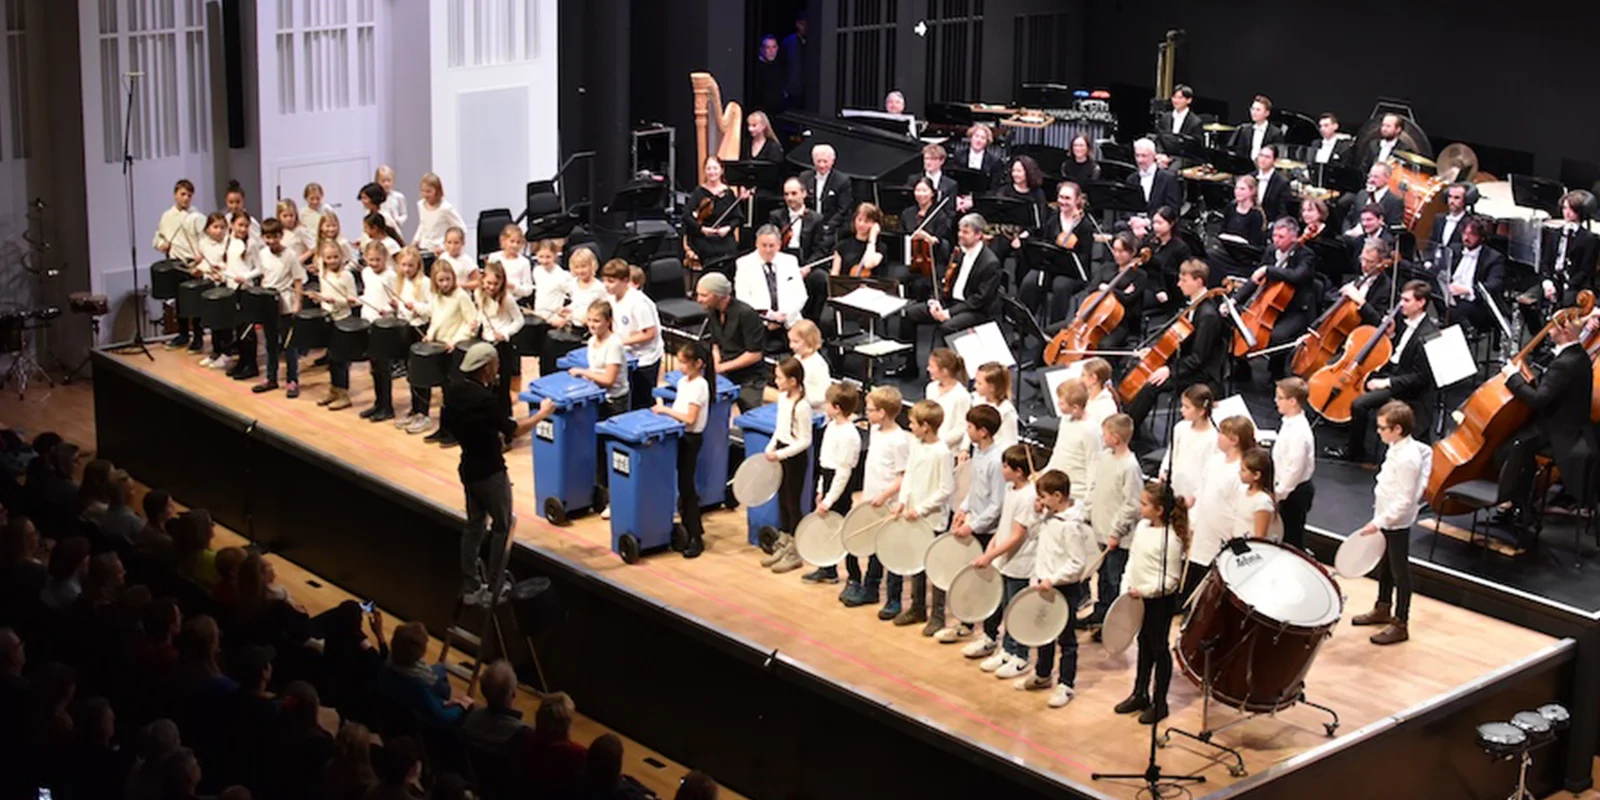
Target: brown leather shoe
1394,634
341,400
1379,615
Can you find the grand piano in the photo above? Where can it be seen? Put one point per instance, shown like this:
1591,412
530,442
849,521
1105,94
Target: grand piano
873,159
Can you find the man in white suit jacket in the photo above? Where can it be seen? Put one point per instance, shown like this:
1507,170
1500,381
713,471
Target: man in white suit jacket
758,273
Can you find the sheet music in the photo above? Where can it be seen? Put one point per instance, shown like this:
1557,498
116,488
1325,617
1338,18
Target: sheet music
1053,378
1449,357
881,347
1233,406
871,301
982,344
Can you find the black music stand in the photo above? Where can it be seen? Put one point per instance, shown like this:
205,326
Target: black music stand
1338,177
1007,211
1121,198
968,181
956,115
1538,193
640,248
1051,260
754,173
1243,253
897,198
636,197
1226,161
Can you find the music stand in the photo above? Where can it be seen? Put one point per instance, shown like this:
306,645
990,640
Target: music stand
1542,194
968,181
897,198
981,344
636,197
1226,161
640,248
1007,211
951,114
1243,253
1119,197
1338,177
1051,260
754,173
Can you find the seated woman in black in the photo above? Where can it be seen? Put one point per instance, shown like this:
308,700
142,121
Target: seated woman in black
858,255
922,221
1080,167
1168,254
1241,222
1050,297
1127,286
1024,184
711,214
764,144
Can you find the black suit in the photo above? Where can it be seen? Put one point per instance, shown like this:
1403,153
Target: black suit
836,201
1576,273
980,303
1410,380
1275,203
1244,139
1165,137
1436,236
1165,190
1370,157
1560,400
1299,270
1377,305
1491,275
992,165
806,249
1340,154
1200,360
1394,208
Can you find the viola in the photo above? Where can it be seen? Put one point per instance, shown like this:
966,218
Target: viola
922,248
950,272
1163,346
1097,317
1489,417
703,211
1336,386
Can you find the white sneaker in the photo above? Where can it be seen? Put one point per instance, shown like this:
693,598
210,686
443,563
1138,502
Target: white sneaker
980,648
206,362
222,362
606,514
1013,668
996,661
1061,696
952,635
1032,683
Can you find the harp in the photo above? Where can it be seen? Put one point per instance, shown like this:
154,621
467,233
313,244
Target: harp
722,140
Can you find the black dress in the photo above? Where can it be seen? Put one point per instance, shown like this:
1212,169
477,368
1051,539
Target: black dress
711,248
1080,173
940,227
1252,227
770,150
1163,269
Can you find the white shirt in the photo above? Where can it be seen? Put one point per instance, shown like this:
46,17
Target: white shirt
1255,504
692,392
394,207
519,274
818,378
1385,148
1450,222
1177,119
1401,481
1262,180
463,266
602,354
451,317
1007,435
580,297
887,452
279,271
796,226
503,317
816,192
1466,272
1191,450
1077,447
550,290
420,294
975,159
750,285
634,313
310,219
337,290
841,451
1101,407
1144,570
1405,337
794,427
377,293
956,402
1214,517
434,223
1114,488
1294,455
1147,180
240,265
969,257
1017,509
212,254
1258,132
1325,149
180,231
1065,547
929,481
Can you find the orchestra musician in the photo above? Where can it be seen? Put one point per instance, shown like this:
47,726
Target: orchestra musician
1160,187
1371,287
1250,137
1447,225
974,296
1285,261
1200,357
1407,377
1243,220
764,144
933,158
1133,283
1382,149
1560,399
801,225
1369,228
894,102
1314,212
1478,276
828,192
1080,166
1376,192
1066,226
937,228
1331,147
1177,122
858,255
1272,188
1168,254
769,281
712,238
1569,267
976,154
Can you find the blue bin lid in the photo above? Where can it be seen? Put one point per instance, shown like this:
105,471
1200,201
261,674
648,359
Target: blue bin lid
640,427
580,358
764,419
566,390
726,390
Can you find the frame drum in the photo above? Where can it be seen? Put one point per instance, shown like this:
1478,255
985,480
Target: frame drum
818,539
861,525
975,593
903,545
757,480
1121,628
1035,619
1358,554
946,556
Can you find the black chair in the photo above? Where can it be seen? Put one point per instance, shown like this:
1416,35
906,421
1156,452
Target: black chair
1482,494
490,222
664,284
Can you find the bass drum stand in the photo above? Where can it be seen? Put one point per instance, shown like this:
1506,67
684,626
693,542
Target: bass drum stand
1206,734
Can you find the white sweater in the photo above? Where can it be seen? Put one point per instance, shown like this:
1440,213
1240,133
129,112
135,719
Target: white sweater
929,481
956,403
1078,446
179,232
1143,571
793,428
1066,547
434,223
1114,489
420,294
1193,450
501,316
452,318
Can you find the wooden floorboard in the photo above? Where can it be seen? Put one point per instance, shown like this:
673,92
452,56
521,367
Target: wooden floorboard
726,589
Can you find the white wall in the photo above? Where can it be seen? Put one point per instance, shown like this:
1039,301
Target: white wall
493,106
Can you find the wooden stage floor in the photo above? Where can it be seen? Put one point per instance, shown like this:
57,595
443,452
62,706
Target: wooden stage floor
728,591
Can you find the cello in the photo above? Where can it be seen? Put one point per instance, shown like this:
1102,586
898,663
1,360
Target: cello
1272,298
1098,316
921,262
1489,417
1327,335
1163,346
1334,387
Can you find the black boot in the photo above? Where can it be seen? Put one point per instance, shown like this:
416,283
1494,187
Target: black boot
1138,701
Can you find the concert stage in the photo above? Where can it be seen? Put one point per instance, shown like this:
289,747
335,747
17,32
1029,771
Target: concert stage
778,690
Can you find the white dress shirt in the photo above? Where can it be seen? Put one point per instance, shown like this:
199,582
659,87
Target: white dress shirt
1325,149
816,192
1147,181
750,285
1294,455
887,452
1405,337
1262,180
969,258
1466,272
1178,118
1018,510
1450,222
841,452
1385,148
796,227
1401,481
975,159
1258,134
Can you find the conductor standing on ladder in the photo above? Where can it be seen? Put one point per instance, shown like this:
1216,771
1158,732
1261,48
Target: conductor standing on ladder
480,419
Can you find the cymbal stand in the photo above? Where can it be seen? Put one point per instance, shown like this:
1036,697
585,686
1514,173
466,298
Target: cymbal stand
24,365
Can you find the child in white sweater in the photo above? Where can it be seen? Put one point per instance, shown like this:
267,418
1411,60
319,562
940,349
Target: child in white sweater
924,494
1061,564
1113,507
1155,565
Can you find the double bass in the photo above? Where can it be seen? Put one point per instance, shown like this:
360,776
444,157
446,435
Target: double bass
1489,417
1334,387
1098,316
1327,335
1163,346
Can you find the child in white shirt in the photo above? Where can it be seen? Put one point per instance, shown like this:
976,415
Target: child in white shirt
1193,443
1155,560
948,388
837,475
1061,564
790,445
639,325
336,293
888,449
1214,514
1078,438
379,298
454,255
1113,507
281,272
394,203
690,406
924,494
805,341
1012,552
311,212
1097,379
435,216
993,386
519,271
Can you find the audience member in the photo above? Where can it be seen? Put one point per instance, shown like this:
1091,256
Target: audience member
602,772
118,521
492,728
69,562
551,760
156,742
192,532
303,748
155,543
349,774
22,577
696,786
399,770
52,495
414,686
97,764
94,489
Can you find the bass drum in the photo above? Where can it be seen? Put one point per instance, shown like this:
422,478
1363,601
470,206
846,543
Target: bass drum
1267,607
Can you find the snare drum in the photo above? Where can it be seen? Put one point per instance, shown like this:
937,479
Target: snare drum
1268,610
391,339
429,364
350,338
258,306
312,329
219,308
166,277
189,296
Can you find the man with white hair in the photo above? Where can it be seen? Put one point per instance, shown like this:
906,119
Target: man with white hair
770,281
829,192
1160,187
1376,193
492,727
974,296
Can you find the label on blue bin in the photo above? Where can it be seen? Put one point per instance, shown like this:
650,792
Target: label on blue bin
620,463
545,429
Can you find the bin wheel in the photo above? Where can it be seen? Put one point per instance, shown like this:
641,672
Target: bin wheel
768,539
556,512
680,537
628,548
602,498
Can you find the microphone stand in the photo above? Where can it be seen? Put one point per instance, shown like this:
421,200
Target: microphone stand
137,343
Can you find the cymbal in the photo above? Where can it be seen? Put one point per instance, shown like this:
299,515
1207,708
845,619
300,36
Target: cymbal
1416,160
1459,161
1218,127
1289,163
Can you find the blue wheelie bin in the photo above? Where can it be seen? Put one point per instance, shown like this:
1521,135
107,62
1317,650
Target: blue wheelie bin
642,455
580,358
564,446
711,476
758,425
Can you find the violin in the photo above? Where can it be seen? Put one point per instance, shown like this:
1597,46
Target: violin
703,211
1097,317
950,272
1272,298
1328,334
1334,387
1163,346
1489,417
1067,240
922,248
